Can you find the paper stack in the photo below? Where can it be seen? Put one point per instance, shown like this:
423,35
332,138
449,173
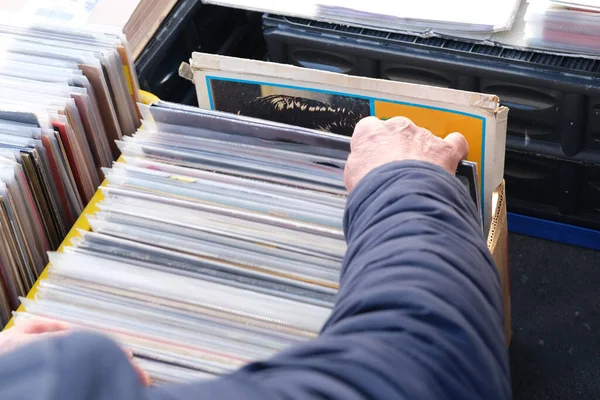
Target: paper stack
218,242
66,95
564,25
459,15
138,19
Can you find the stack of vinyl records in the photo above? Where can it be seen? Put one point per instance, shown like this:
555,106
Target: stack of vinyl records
564,25
66,96
218,241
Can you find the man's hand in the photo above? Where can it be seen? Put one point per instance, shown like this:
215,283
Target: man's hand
143,375
38,328
375,143
27,331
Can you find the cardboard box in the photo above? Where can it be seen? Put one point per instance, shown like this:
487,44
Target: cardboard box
497,243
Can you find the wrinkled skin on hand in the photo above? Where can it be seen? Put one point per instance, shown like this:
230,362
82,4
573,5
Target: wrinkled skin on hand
376,143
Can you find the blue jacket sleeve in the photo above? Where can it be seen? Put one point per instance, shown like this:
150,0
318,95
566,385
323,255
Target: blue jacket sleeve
418,316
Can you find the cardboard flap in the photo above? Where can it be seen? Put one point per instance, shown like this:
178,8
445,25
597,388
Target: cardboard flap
497,243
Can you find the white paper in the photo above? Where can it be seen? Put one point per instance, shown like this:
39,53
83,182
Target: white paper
461,15
71,11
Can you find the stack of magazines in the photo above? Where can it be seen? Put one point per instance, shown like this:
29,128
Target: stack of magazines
563,25
457,16
218,241
138,19
66,96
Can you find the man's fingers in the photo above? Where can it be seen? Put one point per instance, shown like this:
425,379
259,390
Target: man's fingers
24,338
400,124
460,145
363,130
128,353
46,335
36,326
367,124
376,142
142,375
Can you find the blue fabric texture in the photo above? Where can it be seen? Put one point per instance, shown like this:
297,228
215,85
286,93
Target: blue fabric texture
418,316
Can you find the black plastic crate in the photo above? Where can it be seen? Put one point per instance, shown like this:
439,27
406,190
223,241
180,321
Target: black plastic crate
194,26
555,189
554,100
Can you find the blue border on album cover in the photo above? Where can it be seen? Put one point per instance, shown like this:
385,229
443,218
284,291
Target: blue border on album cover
372,110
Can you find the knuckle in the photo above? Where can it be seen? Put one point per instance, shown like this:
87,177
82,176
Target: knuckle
459,145
370,138
448,150
459,137
426,134
465,143
444,152
365,125
401,125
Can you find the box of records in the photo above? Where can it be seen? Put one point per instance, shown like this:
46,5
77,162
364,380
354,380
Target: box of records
215,241
66,95
217,238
